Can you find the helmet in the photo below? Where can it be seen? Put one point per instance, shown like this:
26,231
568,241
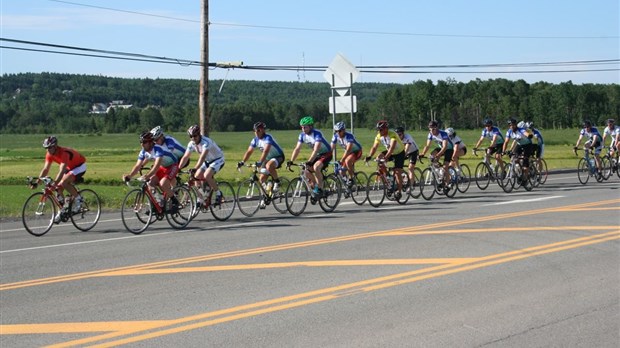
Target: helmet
611,120
488,122
193,130
529,124
339,126
382,124
512,121
521,124
259,124
157,132
399,130
146,137
587,124
450,131
306,121
433,124
50,141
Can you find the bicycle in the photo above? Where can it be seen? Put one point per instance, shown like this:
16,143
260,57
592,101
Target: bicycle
38,216
541,169
356,189
433,180
298,191
463,178
610,164
382,184
515,174
222,209
141,208
485,173
587,167
252,195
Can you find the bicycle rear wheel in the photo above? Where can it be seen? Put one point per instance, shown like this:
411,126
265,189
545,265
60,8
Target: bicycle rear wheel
415,188
606,165
296,197
429,184
404,193
38,214
358,190
463,178
331,193
375,190
249,197
450,187
136,211
278,198
224,209
180,216
89,213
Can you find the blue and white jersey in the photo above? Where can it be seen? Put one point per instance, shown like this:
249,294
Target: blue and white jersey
591,134
493,132
274,151
439,139
521,136
538,136
347,139
413,146
157,151
612,132
173,146
314,137
205,144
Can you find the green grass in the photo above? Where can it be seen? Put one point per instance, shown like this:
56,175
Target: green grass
111,155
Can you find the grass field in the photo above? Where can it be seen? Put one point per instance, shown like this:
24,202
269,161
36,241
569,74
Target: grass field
111,155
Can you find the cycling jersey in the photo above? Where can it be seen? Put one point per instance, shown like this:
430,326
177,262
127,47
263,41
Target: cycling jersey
493,132
439,139
173,145
314,137
613,133
66,155
387,140
457,141
168,159
520,135
408,139
274,150
538,136
205,144
346,140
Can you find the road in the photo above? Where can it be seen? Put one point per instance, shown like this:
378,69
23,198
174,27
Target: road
483,269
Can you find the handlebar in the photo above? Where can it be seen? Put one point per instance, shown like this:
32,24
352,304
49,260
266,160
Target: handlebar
33,181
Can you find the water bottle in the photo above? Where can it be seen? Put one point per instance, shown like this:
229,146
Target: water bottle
60,199
269,187
158,196
592,165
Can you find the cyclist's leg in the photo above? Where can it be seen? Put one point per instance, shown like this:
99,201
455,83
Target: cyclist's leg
399,163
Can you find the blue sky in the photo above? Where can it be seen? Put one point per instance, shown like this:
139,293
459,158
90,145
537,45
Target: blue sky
312,33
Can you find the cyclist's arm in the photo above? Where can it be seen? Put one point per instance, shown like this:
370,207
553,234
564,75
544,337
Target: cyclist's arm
247,154
479,142
45,170
347,151
373,149
184,159
201,159
295,152
493,141
154,168
579,140
444,147
391,149
61,172
428,144
315,151
136,168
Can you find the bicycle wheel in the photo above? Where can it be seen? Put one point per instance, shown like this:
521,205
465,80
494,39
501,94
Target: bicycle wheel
429,184
331,193
89,213
583,171
508,183
136,211
463,179
450,188
193,193
404,193
606,165
543,172
415,188
483,176
38,214
375,190
358,190
278,198
296,196
249,197
224,209
181,216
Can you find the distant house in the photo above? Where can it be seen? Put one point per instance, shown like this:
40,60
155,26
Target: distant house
103,108
98,108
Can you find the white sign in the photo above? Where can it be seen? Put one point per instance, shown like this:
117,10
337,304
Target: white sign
341,74
343,105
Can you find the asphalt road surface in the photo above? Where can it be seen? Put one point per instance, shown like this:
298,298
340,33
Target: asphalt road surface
485,268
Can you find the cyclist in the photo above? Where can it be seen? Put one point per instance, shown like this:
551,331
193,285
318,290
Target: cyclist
271,157
320,156
395,151
460,149
352,150
522,139
539,149
595,140
613,132
164,168
72,169
210,162
168,142
412,151
497,141
446,148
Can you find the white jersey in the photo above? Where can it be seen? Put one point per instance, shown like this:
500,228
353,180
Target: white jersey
408,139
613,133
214,151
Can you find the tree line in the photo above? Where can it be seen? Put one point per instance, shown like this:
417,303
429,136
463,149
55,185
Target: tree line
61,103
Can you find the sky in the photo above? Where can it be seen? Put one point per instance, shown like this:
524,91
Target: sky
419,33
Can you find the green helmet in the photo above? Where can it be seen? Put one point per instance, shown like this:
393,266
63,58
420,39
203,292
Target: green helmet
306,121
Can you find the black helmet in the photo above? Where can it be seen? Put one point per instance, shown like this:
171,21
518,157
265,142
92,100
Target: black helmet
512,121
259,124
399,130
433,124
382,124
194,130
587,124
146,137
611,120
50,141
488,122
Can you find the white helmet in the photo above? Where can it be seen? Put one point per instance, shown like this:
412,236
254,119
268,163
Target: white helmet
450,131
157,132
521,124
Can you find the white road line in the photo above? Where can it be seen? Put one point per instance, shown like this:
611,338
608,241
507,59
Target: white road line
524,200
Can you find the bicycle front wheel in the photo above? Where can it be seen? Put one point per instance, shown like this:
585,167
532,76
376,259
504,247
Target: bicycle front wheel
224,209
249,197
331,193
542,171
90,211
429,184
296,197
358,189
463,178
137,212
509,181
376,190
606,165
483,176
38,214
415,188
402,197
278,198
583,171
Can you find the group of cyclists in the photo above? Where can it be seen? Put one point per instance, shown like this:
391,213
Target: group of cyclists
168,155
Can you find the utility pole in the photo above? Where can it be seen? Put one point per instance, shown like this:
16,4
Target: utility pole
203,98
